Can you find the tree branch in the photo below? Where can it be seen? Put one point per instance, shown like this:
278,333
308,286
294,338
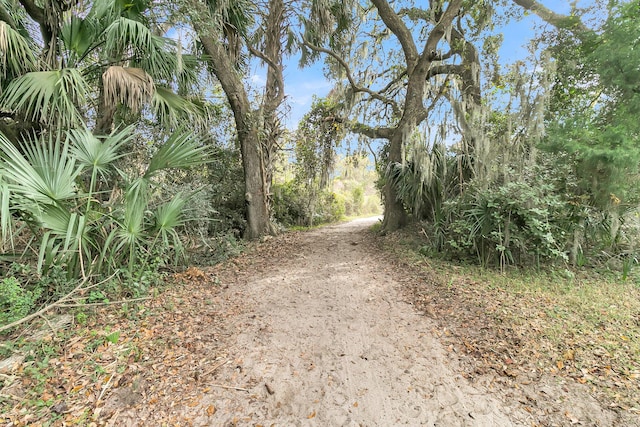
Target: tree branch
352,82
6,17
402,33
446,20
558,20
36,13
371,132
262,56
274,68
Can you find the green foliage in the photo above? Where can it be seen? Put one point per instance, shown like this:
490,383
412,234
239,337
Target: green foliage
319,133
78,229
15,301
595,109
425,181
295,205
290,205
514,223
48,96
349,192
226,194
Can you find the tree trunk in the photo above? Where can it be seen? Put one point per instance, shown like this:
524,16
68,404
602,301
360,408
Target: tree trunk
220,61
395,216
274,92
104,115
257,212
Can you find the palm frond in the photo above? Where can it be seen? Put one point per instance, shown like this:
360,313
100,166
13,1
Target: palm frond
48,96
167,218
128,86
78,36
171,108
16,52
170,215
161,59
46,172
99,154
126,35
131,38
182,150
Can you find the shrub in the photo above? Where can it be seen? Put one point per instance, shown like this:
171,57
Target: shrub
15,301
57,186
508,224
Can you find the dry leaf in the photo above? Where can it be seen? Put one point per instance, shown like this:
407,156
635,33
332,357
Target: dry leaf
211,410
311,415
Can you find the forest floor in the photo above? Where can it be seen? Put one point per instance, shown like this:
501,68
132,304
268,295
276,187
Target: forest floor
317,328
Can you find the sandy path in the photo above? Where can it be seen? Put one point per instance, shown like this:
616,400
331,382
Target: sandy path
328,341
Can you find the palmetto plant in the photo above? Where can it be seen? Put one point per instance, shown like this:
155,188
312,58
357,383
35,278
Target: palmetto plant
109,54
52,184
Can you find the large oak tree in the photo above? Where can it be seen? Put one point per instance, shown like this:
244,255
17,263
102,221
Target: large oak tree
415,59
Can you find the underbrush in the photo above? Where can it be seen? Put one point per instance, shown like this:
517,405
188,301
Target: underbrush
583,325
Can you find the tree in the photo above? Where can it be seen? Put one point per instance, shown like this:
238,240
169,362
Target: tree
223,30
96,63
593,117
402,63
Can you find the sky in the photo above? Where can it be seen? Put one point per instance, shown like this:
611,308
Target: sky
302,85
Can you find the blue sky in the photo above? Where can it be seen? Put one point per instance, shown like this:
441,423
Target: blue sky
302,85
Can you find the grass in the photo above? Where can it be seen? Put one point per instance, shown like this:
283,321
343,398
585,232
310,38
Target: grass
583,325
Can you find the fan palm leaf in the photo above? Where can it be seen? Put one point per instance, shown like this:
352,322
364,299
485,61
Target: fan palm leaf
170,108
133,39
49,97
99,154
170,215
182,150
16,52
46,173
78,36
167,218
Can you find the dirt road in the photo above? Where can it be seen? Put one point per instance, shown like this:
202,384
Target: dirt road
312,329
328,341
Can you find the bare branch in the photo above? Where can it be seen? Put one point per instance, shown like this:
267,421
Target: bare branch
445,21
440,69
262,56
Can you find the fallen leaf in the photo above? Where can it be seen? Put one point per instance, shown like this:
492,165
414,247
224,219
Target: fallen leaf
355,404
211,410
311,415
559,364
